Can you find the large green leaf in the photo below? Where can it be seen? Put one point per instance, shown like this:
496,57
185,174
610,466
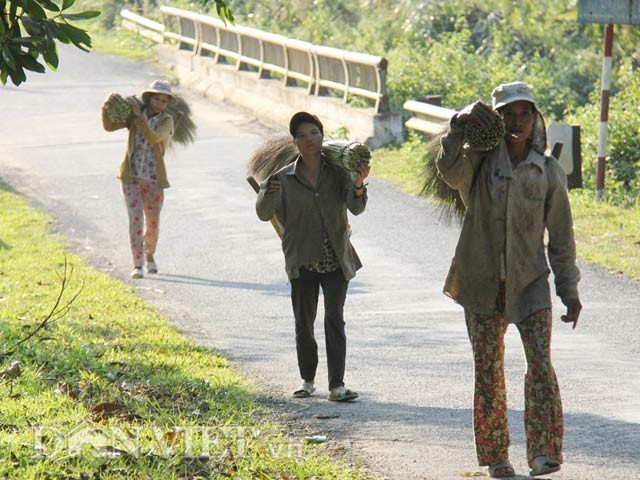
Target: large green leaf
32,27
81,16
8,57
53,30
17,76
67,3
31,63
34,10
50,54
76,35
49,5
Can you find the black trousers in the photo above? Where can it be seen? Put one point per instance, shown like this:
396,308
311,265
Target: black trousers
304,297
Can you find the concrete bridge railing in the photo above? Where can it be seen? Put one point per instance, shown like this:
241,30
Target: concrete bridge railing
321,70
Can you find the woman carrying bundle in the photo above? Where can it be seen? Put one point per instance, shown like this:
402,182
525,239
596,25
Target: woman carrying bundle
142,172
512,193
310,197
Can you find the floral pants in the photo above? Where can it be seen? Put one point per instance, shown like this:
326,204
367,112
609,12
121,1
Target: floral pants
543,406
144,202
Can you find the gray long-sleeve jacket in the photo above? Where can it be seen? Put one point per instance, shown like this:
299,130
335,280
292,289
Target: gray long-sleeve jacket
502,238
305,211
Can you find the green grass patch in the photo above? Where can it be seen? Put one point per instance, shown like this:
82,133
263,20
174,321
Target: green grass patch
607,235
109,389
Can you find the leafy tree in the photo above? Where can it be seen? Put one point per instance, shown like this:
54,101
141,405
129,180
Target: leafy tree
29,30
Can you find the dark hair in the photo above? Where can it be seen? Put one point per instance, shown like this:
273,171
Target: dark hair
303,117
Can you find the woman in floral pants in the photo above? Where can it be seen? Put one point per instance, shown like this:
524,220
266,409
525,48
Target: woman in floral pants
143,171
513,194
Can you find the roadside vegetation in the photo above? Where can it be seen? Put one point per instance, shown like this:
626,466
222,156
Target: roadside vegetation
99,386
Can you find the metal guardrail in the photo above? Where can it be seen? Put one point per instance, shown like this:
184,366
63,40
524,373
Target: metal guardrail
320,69
428,118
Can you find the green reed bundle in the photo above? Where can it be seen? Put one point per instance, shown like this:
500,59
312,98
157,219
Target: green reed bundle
483,139
118,110
346,154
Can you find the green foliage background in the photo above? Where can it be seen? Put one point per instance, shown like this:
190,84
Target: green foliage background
461,49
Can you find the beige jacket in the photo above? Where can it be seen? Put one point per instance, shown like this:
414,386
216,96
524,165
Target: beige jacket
159,140
305,211
507,213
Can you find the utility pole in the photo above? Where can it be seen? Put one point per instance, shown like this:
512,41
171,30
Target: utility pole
609,13
604,111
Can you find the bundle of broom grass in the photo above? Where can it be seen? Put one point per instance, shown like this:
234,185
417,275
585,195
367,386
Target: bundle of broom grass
119,111
448,200
280,151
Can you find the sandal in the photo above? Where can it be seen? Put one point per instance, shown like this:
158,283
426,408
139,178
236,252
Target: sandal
502,469
543,465
342,394
305,391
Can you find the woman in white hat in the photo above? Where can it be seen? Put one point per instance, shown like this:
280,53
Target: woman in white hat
143,172
512,193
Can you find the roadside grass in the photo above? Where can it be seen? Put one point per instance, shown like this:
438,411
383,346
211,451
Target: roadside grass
606,234
109,389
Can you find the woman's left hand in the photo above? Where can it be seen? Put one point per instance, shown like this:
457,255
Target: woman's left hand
574,307
135,106
362,172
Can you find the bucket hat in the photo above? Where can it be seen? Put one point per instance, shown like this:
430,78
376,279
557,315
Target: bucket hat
507,93
158,86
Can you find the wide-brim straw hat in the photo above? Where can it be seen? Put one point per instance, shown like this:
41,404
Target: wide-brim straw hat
507,93
159,86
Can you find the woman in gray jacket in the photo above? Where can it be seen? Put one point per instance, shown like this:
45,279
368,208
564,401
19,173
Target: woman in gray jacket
310,197
513,193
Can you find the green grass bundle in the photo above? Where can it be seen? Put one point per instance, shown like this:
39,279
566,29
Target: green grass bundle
119,110
346,154
483,139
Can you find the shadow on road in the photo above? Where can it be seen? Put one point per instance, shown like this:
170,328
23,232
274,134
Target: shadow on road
277,289
281,289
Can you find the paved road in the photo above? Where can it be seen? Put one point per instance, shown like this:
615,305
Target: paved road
222,281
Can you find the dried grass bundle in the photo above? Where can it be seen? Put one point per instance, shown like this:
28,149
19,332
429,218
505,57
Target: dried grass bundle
450,206
271,156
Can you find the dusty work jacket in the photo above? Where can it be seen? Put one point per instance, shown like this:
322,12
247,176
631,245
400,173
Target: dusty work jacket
305,212
502,239
157,139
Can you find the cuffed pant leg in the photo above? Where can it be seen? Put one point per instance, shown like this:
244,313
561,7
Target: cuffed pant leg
334,288
486,334
133,200
304,298
152,200
543,405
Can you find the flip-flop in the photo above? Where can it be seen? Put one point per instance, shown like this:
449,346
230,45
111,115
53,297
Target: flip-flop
305,391
504,465
543,465
302,393
345,396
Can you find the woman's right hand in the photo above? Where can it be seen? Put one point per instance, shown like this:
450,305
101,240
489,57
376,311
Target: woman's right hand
479,113
114,97
273,185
